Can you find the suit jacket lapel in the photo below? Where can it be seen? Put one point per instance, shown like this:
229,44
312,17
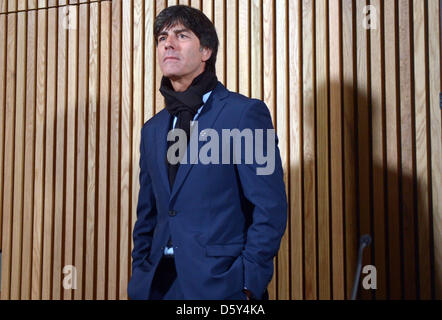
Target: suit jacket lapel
161,140
205,120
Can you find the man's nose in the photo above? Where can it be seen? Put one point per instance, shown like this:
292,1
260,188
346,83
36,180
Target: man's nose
169,43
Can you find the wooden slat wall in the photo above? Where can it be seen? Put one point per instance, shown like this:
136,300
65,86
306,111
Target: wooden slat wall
356,112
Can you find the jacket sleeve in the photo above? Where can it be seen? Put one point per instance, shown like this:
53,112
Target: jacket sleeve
146,210
265,189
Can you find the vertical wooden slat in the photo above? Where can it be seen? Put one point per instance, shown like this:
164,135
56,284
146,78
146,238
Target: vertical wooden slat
436,141
8,77
41,4
81,151
269,56
322,149
29,154
232,45
350,142
50,3
32,4
71,155
269,80
256,26
114,179
149,62
295,112
8,186
103,148
60,158
196,4
8,178
51,93
281,127
92,184
407,172
336,150
310,254
244,50
220,27
17,240
378,140
392,149
3,45
126,137
138,107
137,114
39,153
207,8
159,100
421,135
20,101
363,123
21,5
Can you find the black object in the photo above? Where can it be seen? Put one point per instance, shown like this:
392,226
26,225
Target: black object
363,242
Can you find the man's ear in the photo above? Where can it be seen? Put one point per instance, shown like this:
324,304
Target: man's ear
206,52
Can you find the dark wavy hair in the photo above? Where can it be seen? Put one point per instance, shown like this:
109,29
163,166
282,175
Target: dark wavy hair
193,19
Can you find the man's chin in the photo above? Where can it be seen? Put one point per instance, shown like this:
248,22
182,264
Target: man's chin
172,76
169,71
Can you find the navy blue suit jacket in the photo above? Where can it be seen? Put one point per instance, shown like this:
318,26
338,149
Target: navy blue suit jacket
226,222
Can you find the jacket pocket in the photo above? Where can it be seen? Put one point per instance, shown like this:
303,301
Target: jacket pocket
224,250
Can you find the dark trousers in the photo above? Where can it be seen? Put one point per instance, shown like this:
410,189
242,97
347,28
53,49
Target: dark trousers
164,284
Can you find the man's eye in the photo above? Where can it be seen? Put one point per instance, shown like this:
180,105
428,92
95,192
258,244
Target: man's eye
161,38
181,36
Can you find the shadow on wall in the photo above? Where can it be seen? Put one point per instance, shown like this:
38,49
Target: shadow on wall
384,198
381,197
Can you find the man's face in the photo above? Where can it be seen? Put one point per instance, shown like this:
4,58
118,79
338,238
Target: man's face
180,55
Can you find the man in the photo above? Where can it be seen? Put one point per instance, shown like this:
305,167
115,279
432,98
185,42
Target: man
203,231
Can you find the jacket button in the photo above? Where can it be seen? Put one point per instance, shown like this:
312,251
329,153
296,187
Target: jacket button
172,213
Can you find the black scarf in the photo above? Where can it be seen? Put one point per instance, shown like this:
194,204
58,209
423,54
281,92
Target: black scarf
184,105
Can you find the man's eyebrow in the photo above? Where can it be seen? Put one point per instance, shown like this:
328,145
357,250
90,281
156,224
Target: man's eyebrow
181,30
162,33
